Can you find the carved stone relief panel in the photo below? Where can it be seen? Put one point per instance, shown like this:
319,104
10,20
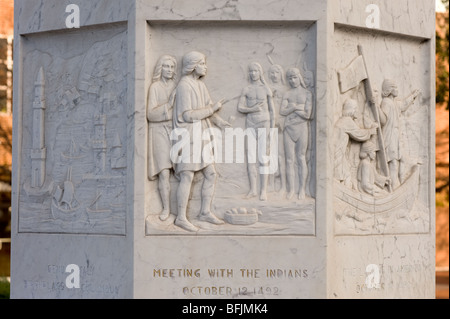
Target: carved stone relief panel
74,150
243,97
381,142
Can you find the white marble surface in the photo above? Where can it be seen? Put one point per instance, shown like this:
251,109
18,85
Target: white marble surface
399,17
135,255
399,242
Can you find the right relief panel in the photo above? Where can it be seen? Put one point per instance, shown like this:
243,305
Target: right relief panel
381,134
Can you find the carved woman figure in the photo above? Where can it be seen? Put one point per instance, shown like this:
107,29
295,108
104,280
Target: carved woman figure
159,115
308,78
257,103
297,107
278,86
390,125
347,130
193,106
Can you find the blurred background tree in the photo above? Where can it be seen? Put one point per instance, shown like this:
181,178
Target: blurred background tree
442,58
442,139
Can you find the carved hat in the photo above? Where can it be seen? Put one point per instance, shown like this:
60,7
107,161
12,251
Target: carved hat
367,147
190,61
349,107
387,87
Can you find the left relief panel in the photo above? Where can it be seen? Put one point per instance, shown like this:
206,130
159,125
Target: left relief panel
73,160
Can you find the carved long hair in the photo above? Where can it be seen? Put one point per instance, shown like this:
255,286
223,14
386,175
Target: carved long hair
309,74
190,61
278,68
295,71
261,75
157,73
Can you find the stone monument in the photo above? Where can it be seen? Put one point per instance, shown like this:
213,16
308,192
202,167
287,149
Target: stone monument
223,149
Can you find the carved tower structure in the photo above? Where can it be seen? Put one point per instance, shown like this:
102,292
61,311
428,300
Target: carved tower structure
38,151
99,143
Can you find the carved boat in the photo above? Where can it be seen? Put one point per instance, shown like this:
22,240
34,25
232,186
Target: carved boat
67,214
401,198
64,204
94,206
73,152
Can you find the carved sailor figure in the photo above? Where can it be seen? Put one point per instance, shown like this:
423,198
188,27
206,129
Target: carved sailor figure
193,106
369,181
390,124
347,130
159,115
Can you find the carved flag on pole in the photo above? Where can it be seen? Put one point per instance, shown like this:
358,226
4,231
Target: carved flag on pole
352,75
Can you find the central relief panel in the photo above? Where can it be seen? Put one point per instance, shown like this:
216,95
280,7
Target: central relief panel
230,110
